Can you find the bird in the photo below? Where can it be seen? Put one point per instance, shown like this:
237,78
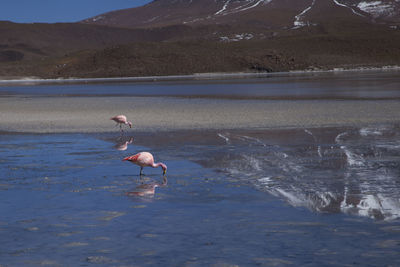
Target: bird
121,119
145,159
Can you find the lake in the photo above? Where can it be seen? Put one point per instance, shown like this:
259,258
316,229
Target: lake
317,196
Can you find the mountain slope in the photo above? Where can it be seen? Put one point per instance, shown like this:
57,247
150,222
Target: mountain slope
168,37
31,41
275,14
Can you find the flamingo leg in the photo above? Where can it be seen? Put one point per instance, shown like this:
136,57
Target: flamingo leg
120,127
141,171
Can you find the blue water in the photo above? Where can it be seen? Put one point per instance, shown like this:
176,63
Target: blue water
64,202
347,85
316,197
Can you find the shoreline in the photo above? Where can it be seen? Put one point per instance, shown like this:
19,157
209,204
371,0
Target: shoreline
193,77
281,103
206,131
91,114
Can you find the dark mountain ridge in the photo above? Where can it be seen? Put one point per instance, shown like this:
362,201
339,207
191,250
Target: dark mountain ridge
188,36
276,14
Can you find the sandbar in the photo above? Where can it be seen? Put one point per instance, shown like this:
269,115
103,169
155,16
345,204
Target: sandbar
68,114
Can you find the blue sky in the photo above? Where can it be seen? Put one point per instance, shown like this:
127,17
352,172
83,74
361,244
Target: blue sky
27,11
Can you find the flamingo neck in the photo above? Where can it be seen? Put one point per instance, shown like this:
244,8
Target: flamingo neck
156,165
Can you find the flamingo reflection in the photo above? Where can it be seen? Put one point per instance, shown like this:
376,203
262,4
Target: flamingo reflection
148,189
122,143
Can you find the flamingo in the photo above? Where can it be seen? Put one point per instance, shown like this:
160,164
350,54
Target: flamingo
145,159
121,119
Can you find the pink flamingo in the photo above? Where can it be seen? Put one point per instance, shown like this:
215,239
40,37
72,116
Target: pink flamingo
145,159
121,119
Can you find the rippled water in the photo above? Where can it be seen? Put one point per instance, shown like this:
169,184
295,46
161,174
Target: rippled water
354,171
277,197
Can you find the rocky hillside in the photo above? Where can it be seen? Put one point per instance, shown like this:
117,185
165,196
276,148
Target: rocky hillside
167,37
275,14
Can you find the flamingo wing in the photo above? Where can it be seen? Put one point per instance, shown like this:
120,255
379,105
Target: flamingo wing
119,119
145,159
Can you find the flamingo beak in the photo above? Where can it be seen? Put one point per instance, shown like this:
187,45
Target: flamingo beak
130,125
164,172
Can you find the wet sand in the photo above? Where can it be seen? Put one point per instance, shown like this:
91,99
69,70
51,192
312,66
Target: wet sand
41,114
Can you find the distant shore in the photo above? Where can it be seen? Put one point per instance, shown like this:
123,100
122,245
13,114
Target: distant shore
81,112
4,81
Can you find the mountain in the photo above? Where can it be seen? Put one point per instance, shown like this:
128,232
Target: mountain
35,40
167,37
267,14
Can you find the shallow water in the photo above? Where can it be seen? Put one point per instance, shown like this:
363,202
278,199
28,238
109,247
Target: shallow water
332,85
267,198
271,197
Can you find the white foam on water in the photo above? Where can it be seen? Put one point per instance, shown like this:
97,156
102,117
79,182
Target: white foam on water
299,199
370,131
265,180
375,205
309,132
253,162
394,146
352,158
367,185
326,198
339,136
253,139
284,155
319,150
223,137
293,199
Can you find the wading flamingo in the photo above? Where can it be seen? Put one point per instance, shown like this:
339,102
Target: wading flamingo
121,119
145,159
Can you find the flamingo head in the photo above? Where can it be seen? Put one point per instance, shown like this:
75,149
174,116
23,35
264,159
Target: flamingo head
164,167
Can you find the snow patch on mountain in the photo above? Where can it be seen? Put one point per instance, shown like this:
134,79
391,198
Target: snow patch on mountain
256,4
349,7
97,18
376,8
299,22
225,6
237,37
249,4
